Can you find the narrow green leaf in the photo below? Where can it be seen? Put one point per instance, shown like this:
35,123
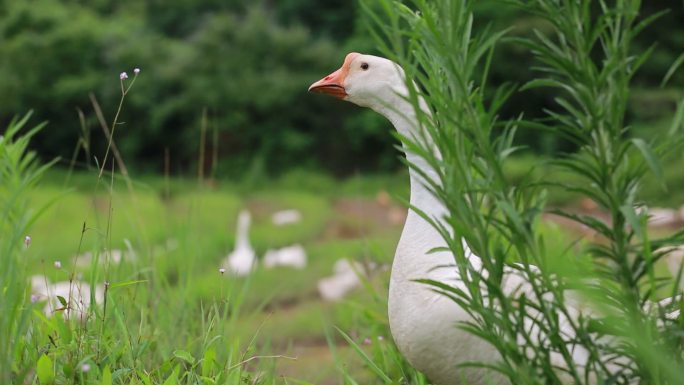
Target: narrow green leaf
587,220
678,62
144,377
513,215
173,377
677,120
371,365
650,159
128,283
207,380
633,219
208,362
648,21
106,376
541,83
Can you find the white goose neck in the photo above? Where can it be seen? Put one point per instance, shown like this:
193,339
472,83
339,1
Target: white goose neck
402,115
242,236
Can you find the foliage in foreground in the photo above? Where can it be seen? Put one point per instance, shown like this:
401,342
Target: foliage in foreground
624,333
84,344
19,172
169,314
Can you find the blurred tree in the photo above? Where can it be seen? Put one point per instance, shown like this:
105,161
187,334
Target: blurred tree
332,18
52,55
249,72
249,65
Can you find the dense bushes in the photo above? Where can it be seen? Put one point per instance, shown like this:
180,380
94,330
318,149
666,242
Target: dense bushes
246,70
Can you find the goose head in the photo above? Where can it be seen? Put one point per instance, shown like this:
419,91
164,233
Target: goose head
365,80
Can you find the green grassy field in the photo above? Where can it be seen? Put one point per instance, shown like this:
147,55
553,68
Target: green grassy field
171,317
172,297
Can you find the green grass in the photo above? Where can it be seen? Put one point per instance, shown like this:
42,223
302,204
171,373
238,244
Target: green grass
172,300
171,306
180,302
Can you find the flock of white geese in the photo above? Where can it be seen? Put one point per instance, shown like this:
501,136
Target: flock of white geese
243,259
240,262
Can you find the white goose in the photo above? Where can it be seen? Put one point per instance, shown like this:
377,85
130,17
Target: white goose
291,256
242,259
422,322
77,293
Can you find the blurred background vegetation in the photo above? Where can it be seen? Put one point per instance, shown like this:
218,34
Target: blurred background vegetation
248,65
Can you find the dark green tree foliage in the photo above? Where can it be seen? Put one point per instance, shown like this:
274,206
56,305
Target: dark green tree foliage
232,59
248,64
50,57
334,18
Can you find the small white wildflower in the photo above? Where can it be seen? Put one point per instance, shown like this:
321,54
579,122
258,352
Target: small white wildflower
123,76
381,338
27,241
85,368
58,265
136,71
35,298
222,270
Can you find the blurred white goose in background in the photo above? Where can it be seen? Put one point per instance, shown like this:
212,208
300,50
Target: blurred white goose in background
76,293
345,278
658,216
289,256
242,259
114,256
286,217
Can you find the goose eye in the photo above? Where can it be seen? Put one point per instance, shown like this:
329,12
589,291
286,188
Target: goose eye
364,66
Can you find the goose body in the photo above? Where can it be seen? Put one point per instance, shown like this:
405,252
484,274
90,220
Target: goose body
422,322
76,293
290,256
345,278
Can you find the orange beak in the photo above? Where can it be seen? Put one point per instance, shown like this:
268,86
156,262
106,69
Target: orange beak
333,84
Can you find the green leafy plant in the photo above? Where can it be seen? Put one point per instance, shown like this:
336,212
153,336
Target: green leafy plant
118,339
624,334
19,172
